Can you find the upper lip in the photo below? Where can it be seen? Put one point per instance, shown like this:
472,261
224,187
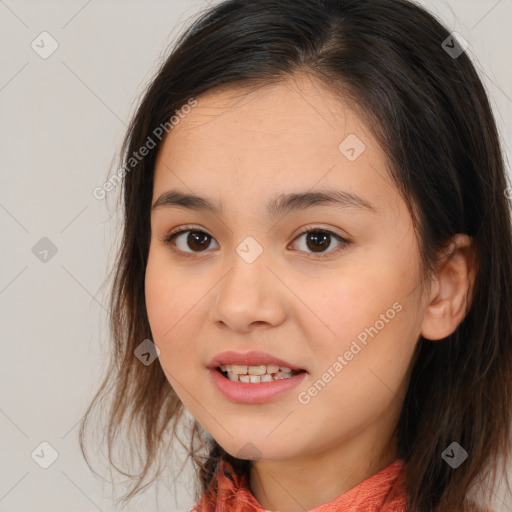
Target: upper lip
252,358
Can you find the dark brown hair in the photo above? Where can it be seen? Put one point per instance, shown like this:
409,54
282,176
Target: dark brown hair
429,111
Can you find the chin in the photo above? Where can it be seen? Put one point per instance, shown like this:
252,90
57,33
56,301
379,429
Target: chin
255,448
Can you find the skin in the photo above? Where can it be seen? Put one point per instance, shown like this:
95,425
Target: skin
242,148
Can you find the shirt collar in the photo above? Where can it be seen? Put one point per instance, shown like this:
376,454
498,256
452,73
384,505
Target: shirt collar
374,494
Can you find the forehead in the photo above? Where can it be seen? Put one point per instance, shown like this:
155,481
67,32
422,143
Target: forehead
295,107
283,135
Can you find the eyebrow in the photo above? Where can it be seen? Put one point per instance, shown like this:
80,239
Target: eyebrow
277,206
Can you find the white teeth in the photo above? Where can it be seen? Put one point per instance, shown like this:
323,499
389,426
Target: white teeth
261,369
253,379
237,369
257,370
256,373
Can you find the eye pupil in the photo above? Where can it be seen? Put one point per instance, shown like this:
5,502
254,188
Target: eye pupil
318,236
193,238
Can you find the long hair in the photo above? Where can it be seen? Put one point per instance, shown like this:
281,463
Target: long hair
430,113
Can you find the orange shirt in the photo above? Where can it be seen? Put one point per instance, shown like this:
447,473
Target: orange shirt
234,495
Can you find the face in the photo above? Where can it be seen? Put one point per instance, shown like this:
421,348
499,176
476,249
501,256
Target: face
330,288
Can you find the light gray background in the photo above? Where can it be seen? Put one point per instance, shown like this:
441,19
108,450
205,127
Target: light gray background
62,120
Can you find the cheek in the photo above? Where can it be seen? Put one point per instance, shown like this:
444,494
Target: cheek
168,298
373,312
176,305
160,299
357,298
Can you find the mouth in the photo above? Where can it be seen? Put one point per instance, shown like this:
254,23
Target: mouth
255,374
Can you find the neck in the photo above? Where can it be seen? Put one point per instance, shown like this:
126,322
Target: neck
305,482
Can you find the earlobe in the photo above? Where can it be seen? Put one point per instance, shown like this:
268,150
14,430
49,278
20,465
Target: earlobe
451,291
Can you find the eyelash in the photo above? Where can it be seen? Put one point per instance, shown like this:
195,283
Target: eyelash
169,238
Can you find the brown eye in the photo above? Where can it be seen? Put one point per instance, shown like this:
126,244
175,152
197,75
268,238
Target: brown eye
195,241
317,241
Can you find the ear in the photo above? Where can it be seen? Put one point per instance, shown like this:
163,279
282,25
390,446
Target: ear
451,291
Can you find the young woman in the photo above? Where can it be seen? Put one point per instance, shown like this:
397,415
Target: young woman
317,246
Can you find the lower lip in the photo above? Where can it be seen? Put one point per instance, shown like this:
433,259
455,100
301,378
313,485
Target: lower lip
255,393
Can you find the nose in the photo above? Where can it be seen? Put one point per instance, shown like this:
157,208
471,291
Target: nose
250,294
